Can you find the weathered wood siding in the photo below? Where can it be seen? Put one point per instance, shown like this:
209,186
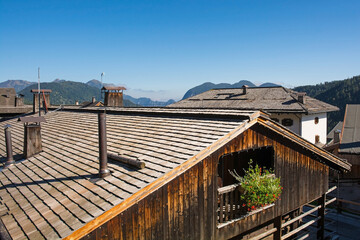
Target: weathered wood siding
185,208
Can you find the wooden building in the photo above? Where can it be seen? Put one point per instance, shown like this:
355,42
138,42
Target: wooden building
346,144
180,192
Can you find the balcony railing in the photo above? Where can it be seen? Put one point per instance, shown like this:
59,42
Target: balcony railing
229,203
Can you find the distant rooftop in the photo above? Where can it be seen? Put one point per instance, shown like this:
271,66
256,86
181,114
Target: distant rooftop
270,99
350,136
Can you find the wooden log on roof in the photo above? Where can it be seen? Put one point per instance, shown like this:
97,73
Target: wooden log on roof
126,160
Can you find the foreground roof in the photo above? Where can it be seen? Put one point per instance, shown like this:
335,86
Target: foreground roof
57,192
271,99
350,136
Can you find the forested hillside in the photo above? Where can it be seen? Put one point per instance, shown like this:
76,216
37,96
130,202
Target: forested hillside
337,93
67,92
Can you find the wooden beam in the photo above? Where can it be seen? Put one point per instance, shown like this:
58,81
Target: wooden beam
321,215
267,233
126,160
300,228
278,226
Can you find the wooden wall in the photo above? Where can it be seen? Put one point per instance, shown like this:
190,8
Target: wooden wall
185,208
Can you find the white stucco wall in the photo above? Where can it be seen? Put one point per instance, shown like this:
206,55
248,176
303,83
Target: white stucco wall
296,127
305,126
309,129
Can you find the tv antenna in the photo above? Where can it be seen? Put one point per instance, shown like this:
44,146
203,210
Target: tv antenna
102,85
39,91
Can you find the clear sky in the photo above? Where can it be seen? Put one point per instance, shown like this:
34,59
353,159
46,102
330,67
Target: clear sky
162,48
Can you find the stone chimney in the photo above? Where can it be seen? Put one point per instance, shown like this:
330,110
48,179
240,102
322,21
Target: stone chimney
301,97
32,135
44,99
113,96
245,87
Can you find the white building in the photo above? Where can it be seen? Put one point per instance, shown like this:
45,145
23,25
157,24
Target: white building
302,114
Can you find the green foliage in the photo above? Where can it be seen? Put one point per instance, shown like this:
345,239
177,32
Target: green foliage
337,93
261,187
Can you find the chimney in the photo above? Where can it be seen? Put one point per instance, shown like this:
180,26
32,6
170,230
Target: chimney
19,101
44,99
337,133
32,135
93,99
76,102
103,170
9,152
301,97
113,96
245,87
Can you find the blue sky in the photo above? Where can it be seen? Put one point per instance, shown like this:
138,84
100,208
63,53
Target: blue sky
162,48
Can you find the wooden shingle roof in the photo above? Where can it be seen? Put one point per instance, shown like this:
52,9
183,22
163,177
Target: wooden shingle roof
270,99
55,192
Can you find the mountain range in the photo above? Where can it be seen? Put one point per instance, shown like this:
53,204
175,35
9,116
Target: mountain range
338,93
67,92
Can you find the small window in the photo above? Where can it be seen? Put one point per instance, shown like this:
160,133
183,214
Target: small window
275,119
316,120
287,122
317,138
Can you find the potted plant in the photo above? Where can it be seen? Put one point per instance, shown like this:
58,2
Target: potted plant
259,186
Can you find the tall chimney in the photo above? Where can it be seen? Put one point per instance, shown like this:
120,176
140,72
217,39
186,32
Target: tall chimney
113,96
32,135
93,100
244,87
9,152
103,171
301,97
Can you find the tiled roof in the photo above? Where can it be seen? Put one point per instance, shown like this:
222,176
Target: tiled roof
55,192
270,99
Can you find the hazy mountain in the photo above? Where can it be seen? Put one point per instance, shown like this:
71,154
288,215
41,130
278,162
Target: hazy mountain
96,83
148,102
208,85
143,101
17,84
68,92
337,93
269,84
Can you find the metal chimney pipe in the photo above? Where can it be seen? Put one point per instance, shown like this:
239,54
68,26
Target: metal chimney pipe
9,152
103,171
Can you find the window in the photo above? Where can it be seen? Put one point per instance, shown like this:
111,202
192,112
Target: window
287,122
317,138
316,120
239,161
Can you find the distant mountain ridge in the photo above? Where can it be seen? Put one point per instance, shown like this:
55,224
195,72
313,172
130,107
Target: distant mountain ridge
208,86
67,92
17,84
337,93
143,101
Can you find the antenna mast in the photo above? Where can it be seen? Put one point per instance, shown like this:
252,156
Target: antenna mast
39,90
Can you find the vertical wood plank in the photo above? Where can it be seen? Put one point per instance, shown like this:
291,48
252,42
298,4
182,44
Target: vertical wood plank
186,210
165,214
141,217
181,207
